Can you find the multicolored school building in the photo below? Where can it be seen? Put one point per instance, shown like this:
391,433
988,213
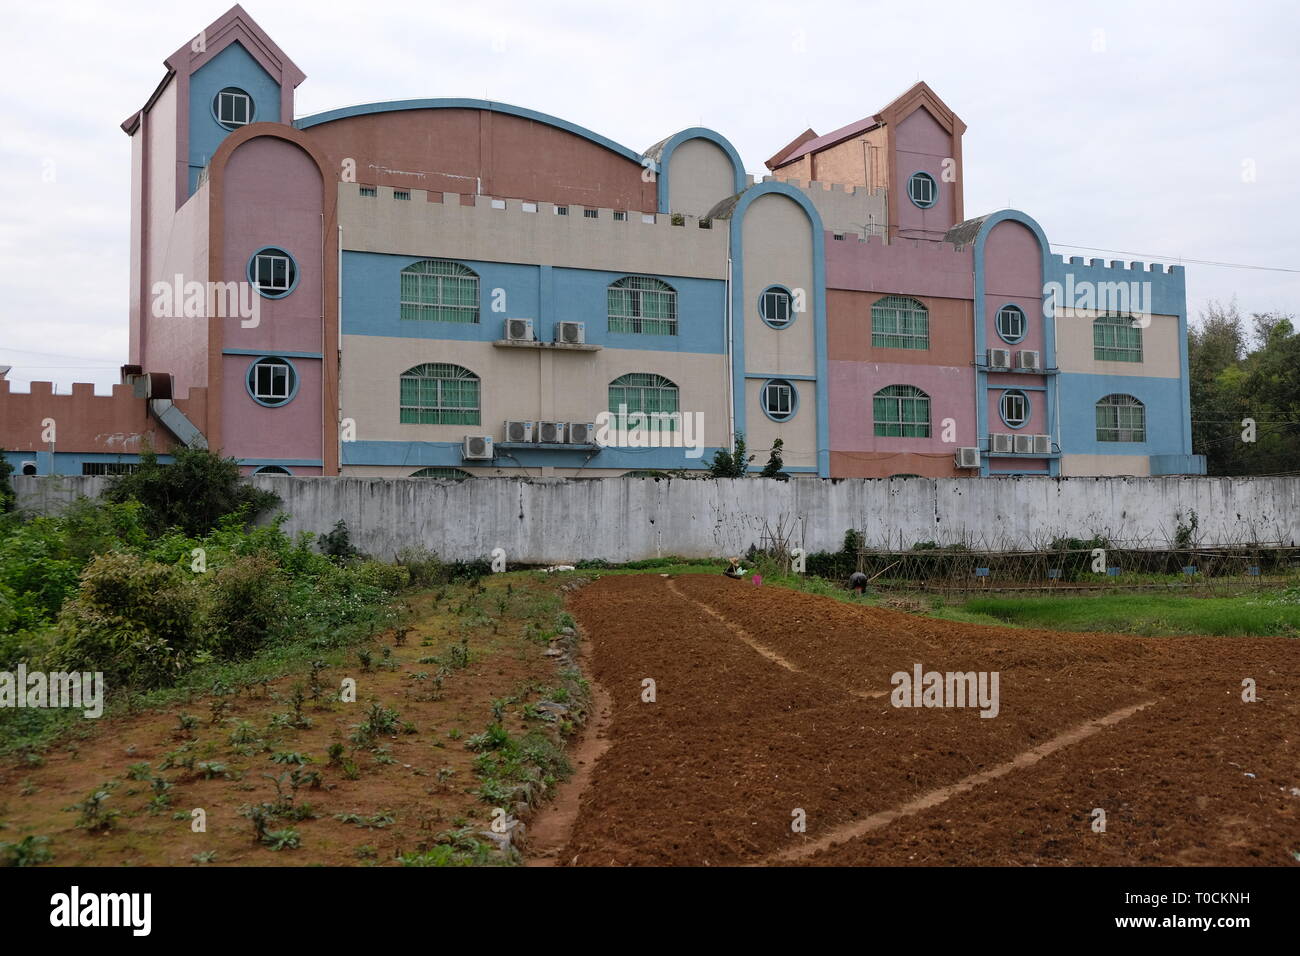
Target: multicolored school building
458,287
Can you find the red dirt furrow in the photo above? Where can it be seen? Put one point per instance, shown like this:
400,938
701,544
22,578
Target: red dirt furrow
758,714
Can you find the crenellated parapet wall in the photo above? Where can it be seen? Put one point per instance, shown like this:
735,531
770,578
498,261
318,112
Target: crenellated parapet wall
487,228
1153,287
117,423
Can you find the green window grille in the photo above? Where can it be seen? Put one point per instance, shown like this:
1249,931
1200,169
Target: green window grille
439,394
898,322
1121,418
901,411
642,306
455,474
1115,338
648,393
438,291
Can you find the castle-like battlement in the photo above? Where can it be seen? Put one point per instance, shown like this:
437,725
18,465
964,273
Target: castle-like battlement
1153,267
814,185
490,228
83,421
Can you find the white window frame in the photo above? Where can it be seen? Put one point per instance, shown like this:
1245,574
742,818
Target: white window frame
784,392
228,97
1018,421
266,391
272,258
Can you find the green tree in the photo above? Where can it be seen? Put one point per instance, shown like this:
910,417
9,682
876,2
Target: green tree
192,494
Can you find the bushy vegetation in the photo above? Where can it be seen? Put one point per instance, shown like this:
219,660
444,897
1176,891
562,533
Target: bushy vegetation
166,573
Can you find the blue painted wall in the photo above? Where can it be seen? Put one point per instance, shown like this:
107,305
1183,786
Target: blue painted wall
1161,396
68,463
422,454
545,294
233,66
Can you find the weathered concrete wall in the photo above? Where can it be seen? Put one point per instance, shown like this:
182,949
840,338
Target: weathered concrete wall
625,519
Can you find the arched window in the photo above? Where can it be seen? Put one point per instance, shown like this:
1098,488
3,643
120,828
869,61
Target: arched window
647,393
272,470
642,305
437,393
898,322
453,474
1121,418
1116,338
901,411
439,291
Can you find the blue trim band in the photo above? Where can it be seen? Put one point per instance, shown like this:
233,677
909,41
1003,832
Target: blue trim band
696,132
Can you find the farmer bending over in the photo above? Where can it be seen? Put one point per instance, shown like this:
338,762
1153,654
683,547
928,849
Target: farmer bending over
734,570
858,582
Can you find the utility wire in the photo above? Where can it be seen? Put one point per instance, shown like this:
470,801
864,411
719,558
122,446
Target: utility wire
1199,262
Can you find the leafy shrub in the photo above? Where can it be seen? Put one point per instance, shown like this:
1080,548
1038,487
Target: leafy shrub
247,606
337,544
135,620
193,493
423,567
386,577
7,497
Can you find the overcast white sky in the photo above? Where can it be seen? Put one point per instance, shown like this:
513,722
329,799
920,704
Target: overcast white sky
1119,125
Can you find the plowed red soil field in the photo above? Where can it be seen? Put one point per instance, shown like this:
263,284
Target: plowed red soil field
773,706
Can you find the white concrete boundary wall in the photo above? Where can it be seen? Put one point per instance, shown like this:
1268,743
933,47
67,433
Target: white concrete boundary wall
547,521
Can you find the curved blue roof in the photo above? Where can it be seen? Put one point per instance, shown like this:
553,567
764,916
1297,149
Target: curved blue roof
462,103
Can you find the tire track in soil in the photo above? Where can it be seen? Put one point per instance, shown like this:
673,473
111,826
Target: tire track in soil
851,831
766,651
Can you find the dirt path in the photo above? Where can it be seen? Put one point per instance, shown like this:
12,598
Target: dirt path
759,721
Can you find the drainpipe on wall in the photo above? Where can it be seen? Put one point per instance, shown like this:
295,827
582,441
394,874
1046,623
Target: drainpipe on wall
731,389
338,355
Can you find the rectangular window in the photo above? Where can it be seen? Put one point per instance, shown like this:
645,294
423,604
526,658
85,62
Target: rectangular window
897,323
108,467
233,108
778,400
1121,423
901,416
271,382
620,217
438,401
272,272
591,213
369,191
561,210
401,194
643,311
1116,339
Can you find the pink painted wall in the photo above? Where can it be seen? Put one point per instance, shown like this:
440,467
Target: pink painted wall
853,385
1037,409
905,267
922,145
292,430
273,197
1013,273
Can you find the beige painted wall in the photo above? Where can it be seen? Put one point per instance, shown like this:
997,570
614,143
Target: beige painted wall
517,384
699,177
451,230
778,250
799,434
1074,351
1105,465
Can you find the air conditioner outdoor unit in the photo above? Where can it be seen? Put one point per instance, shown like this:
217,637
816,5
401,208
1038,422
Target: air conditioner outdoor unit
27,468
582,433
519,330
519,431
999,358
477,448
1042,444
550,433
1027,359
967,457
1024,444
1000,444
570,333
